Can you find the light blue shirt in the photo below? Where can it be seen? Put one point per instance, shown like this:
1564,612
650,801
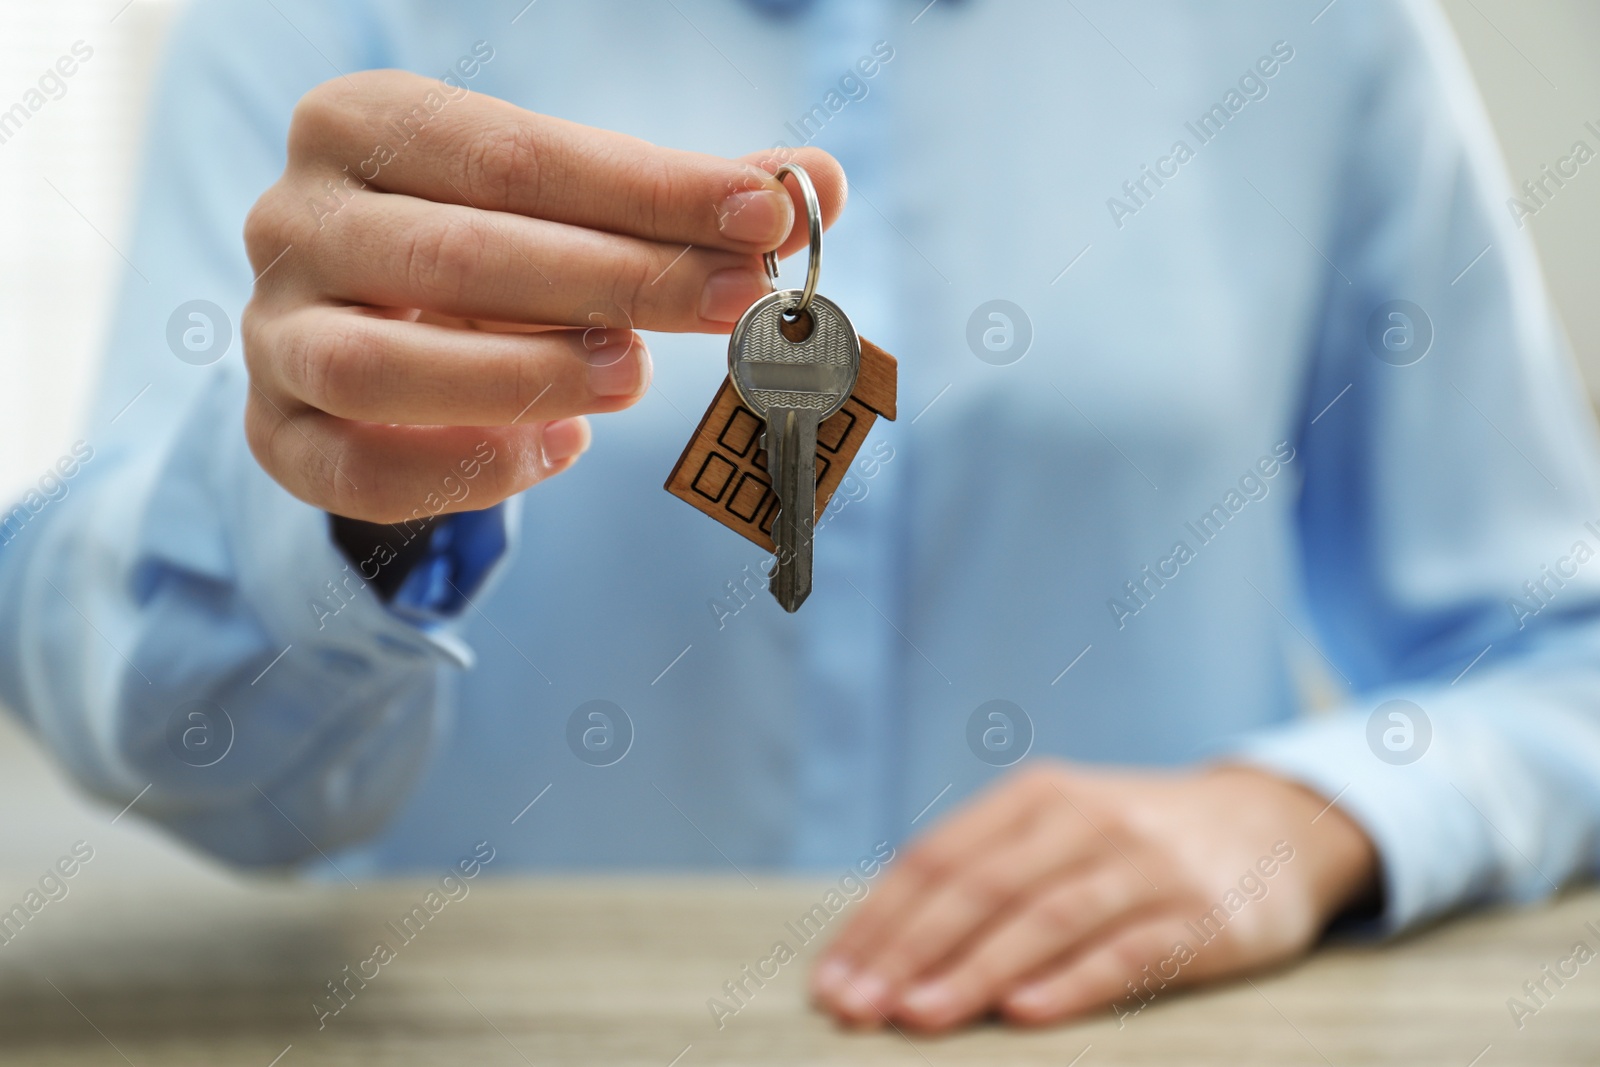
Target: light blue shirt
1210,453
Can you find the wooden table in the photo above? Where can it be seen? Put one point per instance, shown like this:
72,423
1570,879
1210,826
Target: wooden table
619,972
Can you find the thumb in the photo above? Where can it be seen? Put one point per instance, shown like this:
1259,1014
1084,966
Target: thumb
825,173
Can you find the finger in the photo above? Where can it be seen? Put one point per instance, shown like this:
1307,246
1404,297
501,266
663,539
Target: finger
1056,921
392,474
976,896
452,146
825,174
1127,969
986,823
381,369
397,251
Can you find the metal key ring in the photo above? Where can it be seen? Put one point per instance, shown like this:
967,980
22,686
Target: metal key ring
808,193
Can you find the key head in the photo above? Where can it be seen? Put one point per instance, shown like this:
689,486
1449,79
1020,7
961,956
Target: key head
807,363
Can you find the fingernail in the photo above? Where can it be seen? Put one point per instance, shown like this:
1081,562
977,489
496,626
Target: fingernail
762,218
934,998
829,975
1029,999
863,995
729,292
564,439
617,362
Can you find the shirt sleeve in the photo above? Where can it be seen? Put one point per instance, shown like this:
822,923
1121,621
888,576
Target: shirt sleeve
176,628
1449,514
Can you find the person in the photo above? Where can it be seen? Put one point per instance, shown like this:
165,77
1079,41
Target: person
1223,364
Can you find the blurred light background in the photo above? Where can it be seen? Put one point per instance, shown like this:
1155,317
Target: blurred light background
66,182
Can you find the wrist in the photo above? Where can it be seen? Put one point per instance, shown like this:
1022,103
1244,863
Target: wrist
1340,861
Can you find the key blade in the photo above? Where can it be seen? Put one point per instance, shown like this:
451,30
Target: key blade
791,459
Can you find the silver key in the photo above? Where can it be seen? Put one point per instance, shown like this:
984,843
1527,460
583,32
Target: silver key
793,358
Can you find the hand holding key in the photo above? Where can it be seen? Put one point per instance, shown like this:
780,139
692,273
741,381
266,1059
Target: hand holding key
415,302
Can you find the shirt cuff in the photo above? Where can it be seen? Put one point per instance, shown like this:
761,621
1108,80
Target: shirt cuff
1430,840
462,552
215,513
